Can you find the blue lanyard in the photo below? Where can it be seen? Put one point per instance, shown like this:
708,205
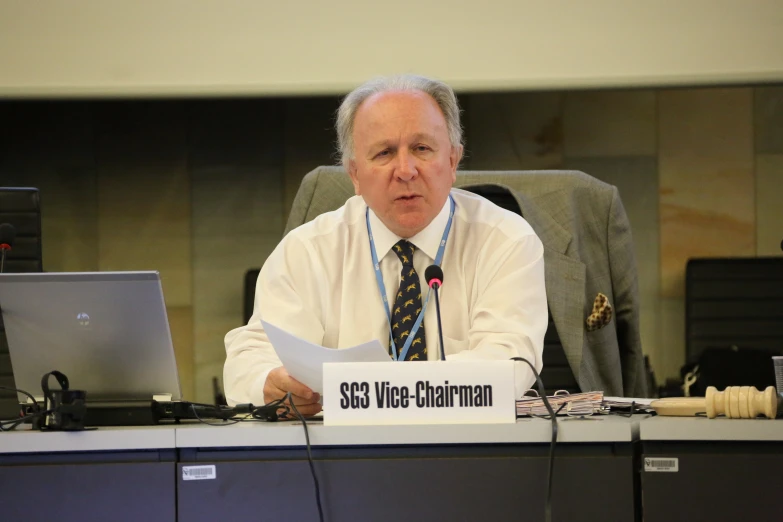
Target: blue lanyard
382,287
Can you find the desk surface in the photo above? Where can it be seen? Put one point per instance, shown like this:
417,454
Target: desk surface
103,439
598,429
524,431
701,428
291,434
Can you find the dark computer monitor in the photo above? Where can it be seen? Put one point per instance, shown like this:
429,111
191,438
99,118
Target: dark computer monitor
19,207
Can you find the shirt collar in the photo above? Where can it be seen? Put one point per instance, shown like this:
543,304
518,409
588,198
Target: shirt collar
428,240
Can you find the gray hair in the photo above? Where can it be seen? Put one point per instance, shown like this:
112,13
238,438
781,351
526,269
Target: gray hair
440,92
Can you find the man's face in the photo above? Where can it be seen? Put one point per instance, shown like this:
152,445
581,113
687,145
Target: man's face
404,164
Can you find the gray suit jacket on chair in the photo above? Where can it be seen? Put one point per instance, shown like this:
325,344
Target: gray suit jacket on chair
587,249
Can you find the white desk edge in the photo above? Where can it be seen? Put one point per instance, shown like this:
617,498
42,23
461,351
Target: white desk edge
290,434
103,439
524,431
703,429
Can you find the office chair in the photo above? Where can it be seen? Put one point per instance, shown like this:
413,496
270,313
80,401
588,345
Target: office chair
20,207
586,238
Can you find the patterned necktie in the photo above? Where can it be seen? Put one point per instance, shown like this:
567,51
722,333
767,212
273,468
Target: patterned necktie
407,306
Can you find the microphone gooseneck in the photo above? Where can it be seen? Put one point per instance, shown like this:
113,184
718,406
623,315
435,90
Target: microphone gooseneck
434,277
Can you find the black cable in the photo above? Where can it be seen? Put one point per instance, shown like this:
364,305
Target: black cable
225,422
17,390
221,412
268,412
553,418
14,423
309,458
231,415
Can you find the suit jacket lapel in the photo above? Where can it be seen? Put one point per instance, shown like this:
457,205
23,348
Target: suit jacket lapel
565,280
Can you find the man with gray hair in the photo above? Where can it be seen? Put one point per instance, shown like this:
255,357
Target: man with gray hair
400,140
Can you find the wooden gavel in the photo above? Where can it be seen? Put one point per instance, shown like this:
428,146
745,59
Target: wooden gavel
735,402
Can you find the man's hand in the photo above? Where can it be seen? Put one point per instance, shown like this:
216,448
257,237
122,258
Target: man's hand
279,383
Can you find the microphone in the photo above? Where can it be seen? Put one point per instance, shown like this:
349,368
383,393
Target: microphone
434,277
7,236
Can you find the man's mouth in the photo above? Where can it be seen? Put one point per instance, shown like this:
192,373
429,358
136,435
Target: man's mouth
408,197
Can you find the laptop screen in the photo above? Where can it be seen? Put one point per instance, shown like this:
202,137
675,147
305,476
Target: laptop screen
107,331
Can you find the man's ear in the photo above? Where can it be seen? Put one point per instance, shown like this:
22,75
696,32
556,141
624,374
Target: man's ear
454,158
352,171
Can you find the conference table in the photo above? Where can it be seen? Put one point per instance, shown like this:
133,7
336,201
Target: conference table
607,468
118,474
694,468
392,473
431,472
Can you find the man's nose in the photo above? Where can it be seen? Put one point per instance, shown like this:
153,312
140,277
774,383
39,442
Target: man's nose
406,166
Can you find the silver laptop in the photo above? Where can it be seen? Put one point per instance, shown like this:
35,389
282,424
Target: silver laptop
107,331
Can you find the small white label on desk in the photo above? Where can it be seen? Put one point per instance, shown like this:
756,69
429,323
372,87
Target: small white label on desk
198,472
672,465
427,392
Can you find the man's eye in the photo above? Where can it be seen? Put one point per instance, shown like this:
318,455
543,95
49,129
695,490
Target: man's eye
422,148
382,153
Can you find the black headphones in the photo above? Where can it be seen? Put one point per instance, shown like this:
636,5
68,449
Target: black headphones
64,409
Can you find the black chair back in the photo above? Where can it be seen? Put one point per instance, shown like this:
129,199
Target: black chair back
20,207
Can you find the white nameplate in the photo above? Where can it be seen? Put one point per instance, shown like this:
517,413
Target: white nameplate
427,392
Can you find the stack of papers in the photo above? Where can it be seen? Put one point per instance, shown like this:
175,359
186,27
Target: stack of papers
576,404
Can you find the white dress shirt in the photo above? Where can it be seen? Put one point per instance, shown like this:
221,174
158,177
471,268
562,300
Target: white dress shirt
319,284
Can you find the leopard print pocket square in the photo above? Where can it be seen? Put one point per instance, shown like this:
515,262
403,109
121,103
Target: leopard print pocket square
602,313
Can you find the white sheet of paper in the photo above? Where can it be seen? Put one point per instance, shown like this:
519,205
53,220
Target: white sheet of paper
304,360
